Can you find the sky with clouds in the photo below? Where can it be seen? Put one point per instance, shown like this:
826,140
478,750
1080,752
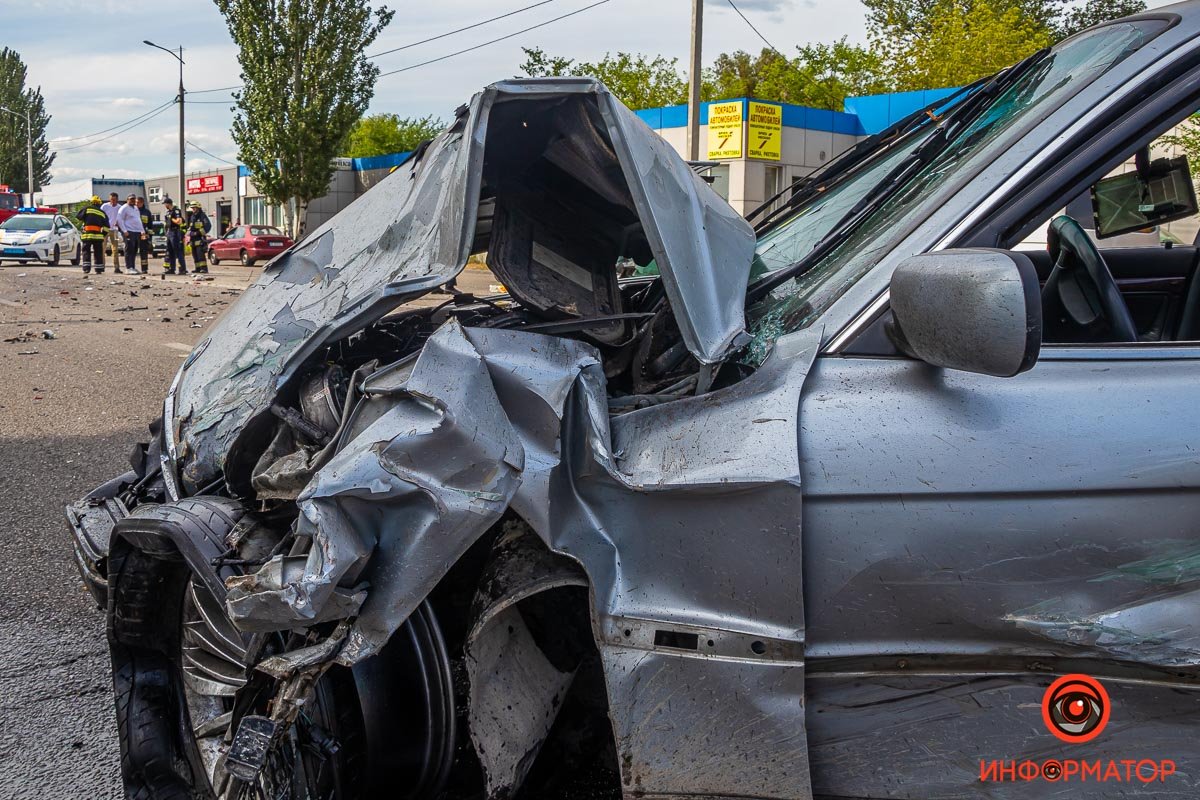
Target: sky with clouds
94,71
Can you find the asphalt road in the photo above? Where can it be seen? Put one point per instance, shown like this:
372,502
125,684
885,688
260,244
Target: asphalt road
71,408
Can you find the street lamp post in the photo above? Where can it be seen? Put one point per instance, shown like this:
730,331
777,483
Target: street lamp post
28,147
179,58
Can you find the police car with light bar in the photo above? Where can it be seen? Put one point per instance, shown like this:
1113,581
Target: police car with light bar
39,234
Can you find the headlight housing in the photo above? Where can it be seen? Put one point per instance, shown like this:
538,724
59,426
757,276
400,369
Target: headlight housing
40,237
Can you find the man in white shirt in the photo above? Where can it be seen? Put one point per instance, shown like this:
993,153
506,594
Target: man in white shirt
129,221
112,239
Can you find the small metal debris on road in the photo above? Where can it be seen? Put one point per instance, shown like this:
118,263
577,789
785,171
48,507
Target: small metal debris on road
48,334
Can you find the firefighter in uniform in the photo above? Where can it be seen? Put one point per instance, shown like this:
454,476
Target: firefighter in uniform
173,221
198,226
95,227
145,245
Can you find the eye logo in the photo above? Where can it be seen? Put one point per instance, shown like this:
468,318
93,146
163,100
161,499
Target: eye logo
1075,708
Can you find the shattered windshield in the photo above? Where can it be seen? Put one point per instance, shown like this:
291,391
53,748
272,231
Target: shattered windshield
1068,68
786,244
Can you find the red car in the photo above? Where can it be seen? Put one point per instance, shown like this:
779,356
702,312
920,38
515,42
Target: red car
248,243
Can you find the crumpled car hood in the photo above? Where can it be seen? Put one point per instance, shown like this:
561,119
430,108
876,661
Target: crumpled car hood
416,230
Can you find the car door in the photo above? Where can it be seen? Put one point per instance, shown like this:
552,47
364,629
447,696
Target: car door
217,245
968,539
67,237
230,243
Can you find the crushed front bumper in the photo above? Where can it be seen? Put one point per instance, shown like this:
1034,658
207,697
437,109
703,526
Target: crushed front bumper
91,521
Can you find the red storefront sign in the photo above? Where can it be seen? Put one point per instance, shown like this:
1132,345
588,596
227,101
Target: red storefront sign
205,183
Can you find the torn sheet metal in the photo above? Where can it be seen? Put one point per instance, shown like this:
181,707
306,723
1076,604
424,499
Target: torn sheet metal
415,231
421,480
659,509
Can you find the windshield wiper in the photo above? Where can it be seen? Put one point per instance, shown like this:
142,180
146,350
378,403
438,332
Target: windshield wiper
952,125
830,175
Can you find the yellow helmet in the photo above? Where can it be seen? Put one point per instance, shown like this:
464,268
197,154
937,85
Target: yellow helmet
95,198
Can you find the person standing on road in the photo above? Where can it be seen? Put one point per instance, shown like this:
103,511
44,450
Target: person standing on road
112,236
198,226
146,244
173,222
129,220
94,223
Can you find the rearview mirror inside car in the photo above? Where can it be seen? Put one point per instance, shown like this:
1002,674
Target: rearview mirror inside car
975,310
1160,191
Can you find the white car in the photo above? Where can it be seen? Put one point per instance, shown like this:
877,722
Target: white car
39,237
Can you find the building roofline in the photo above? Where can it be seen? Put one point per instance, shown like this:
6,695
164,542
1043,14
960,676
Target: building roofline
794,116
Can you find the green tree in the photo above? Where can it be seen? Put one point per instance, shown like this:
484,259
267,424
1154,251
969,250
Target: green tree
1186,137
832,72
307,82
739,74
897,26
1079,17
820,76
381,134
638,81
13,139
929,44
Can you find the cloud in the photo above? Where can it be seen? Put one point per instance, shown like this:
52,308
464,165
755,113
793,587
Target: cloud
128,102
198,164
761,6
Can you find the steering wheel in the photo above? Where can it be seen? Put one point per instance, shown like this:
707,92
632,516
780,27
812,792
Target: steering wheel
1081,288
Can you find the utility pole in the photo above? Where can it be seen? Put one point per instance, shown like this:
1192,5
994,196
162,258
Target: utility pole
179,58
182,184
693,131
29,153
28,147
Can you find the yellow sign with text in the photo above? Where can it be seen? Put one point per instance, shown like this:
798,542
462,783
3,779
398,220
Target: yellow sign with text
725,130
766,131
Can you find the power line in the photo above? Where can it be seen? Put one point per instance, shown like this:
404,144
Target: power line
756,31
209,91
210,155
459,30
493,41
410,44
228,102
118,133
441,36
114,127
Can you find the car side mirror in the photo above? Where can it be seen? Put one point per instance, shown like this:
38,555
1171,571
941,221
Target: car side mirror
975,310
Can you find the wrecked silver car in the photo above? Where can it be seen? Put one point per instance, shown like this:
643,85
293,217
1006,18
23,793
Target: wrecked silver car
817,509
